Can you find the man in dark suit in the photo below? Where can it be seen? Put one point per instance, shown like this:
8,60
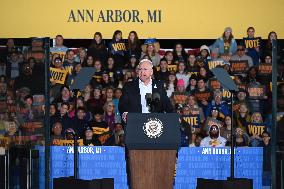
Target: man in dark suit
133,97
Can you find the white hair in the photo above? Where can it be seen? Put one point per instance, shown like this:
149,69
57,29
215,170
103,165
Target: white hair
145,60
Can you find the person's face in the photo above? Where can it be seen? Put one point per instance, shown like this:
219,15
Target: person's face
132,36
90,61
241,96
29,101
191,101
214,131
110,107
97,93
81,114
70,55
200,84
218,98
191,59
243,108
228,120
10,43
204,53
57,129
63,109
227,34
98,39
145,71
272,36
14,57
98,65
79,103
172,78
214,113
257,117
65,93
202,72
118,36
105,77
117,94
150,48
88,89
109,93
98,117
78,68
163,65
192,82
265,138
178,48
186,111
252,72
57,63
89,134
268,59
169,56
82,53
250,33
181,67
110,62
118,127
240,50
58,41
180,88
69,136
52,110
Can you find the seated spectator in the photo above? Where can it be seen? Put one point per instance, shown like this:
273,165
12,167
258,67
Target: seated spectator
162,73
226,129
65,96
80,121
192,84
182,74
170,84
62,117
203,56
82,56
97,101
69,61
242,117
220,105
109,115
119,134
98,75
169,57
242,139
56,132
202,93
241,55
180,95
106,81
255,133
214,139
192,66
89,139
89,62
151,48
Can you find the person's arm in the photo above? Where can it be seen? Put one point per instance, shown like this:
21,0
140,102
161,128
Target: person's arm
233,46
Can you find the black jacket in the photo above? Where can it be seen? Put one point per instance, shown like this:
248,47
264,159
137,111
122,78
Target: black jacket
130,100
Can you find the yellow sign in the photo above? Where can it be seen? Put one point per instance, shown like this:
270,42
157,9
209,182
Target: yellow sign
58,75
182,19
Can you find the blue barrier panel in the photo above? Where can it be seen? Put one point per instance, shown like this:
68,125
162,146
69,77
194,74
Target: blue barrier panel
214,163
193,163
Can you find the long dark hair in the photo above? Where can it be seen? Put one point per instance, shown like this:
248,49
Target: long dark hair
96,45
136,43
115,33
229,40
269,44
183,53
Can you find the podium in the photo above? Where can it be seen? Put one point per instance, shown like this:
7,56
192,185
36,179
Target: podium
152,141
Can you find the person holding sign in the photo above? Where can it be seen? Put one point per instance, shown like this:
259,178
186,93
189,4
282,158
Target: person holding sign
255,129
252,45
225,44
241,56
220,105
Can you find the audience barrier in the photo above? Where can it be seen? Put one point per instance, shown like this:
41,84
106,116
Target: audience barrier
192,163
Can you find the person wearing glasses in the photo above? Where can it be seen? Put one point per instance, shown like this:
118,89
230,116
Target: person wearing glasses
214,139
241,55
133,97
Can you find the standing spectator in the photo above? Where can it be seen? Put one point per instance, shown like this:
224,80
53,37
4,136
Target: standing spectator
117,49
179,53
163,73
182,74
69,61
266,145
133,45
98,48
59,47
267,50
225,44
252,51
13,66
171,84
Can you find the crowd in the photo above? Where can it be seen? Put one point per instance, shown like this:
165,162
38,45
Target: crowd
91,113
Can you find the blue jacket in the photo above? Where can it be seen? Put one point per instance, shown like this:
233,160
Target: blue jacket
219,43
222,108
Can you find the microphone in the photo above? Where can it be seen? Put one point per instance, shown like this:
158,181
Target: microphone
156,97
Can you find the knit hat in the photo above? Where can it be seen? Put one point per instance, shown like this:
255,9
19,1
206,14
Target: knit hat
204,47
180,83
228,29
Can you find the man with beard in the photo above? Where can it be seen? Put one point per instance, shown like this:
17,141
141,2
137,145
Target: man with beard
214,139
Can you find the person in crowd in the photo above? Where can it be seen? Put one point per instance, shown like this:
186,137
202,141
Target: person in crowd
98,50
192,66
119,134
169,57
171,83
219,104
97,101
65,96
132,63
214,139
242,117
241,55
195,109
80,121
266,145
255,134
13,66
25,79
202,93
89,62
59,47
52,109
133,45
179,96
225,44
163,72
62,117
82,55
89,139
203,56
117,48
255,51
69,61
182,73
56,132
109,115
225,131
242,138
192,84
151,49
197,141
179,53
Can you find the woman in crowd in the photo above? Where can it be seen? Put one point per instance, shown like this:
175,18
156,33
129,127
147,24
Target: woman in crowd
98,48
133,45
117,48
89,62
225,44
171,84
151,48
179,53
182,73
